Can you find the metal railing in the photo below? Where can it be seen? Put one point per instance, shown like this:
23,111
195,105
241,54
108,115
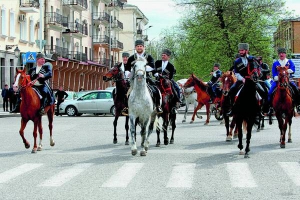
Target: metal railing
82,3
56,18
29,3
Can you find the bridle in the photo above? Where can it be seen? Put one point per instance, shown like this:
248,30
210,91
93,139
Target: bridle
283,79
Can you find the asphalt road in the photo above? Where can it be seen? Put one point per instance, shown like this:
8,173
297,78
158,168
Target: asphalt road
85,164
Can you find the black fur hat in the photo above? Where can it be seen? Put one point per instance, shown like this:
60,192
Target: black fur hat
139,42
281,50
167,52
125,54
243,46
39,55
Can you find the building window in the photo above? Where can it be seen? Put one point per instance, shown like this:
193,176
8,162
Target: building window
23,31
3,21
31,28
12,24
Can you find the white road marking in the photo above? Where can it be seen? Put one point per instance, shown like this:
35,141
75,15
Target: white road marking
124,175
182,175
240,175
66,175
17,171
292,169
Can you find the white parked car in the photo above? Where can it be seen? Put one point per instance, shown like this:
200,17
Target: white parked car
93,102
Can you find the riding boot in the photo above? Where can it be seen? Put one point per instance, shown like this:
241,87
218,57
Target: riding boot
17,106
43,105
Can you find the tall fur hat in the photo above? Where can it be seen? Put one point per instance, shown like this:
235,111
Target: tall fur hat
139,42
40,55
281,50
243,46
217,65
167,52
125,54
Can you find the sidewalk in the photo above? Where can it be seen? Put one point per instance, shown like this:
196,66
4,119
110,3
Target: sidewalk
7,114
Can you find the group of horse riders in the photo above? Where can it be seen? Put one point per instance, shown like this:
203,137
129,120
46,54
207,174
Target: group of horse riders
266,86
39,76
160,67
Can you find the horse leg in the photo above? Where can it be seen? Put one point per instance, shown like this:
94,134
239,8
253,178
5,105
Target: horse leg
21,131
115,123
150,130
132,132
143,136
280,125
249,130
173,119
240,134
50,120
207,113
40,129
199,106
165,127
228,134
290,131
126,128
283,132
185,112
35,126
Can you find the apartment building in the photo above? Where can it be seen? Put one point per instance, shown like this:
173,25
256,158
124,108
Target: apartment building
83,38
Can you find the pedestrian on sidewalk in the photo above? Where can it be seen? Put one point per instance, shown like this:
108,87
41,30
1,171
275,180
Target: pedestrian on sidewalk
5,96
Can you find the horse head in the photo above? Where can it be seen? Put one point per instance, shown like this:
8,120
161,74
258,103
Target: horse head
190,82
253,72
283,77
165,85
227,80
139,69
114,74
21,78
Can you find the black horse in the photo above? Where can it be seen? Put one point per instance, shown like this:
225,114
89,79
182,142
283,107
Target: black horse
247,107
120,100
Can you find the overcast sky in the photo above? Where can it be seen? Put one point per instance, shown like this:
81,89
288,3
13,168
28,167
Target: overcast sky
164,13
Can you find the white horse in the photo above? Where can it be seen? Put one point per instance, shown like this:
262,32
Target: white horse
140,106
189,96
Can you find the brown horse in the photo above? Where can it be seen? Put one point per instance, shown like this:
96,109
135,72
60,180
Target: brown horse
120,101
227,79
283,104
202,95
29,110
168,102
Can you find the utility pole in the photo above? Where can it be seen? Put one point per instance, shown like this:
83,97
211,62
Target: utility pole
41,25
109,32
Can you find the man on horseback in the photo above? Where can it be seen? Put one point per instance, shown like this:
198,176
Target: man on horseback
140,52
265,70
166,68
241,72
213,84
283,62
40,75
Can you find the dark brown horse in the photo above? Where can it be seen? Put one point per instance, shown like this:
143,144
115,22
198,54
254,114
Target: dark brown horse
283,104
202,96
168,102
227,79
29,110
120,100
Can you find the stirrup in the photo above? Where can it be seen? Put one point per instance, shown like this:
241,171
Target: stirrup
42,111
124,111
174,111
159,110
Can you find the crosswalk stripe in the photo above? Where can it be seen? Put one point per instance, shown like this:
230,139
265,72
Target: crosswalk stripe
240,175
17,171
182,175
124,175
292,169
66,175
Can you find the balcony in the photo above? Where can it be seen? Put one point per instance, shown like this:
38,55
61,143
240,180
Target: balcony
117,45
56,19
29,6
114,5
60,51
102,61
117,25
100,41
77,4
101,18
76,55
76,28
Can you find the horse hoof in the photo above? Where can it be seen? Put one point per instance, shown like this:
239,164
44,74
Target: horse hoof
146,149
183,121
115,141
126,143
157,145
246,155
40,148
166,142
289,140
228,139
258,130
241,153
52,144
172,141
143,153
191,122
133,152
235,136
206,123
27,145
33,150
282,146
200,117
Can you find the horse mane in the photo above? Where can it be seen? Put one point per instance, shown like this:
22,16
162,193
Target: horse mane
200,83
141,59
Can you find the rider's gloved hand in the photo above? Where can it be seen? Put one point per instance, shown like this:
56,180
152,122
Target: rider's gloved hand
156,74
290,71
